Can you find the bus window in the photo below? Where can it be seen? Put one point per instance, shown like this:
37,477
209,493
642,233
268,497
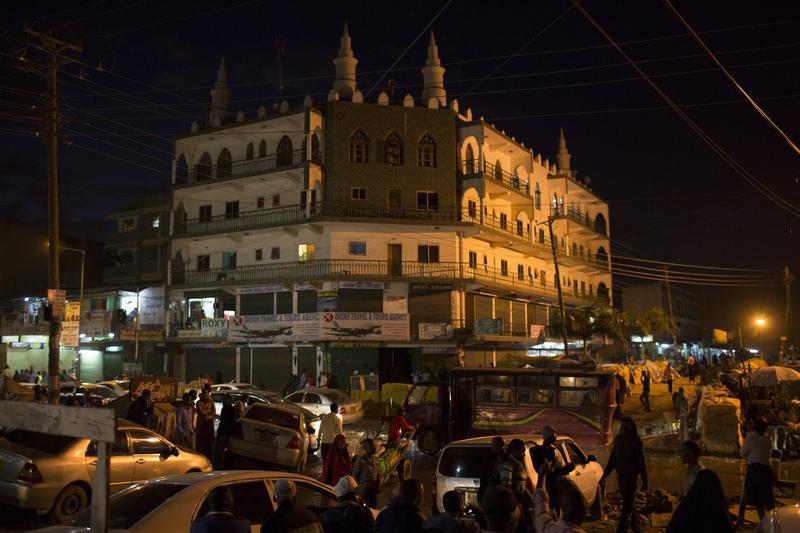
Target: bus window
535,396
577,381
577,398
491,379
486,395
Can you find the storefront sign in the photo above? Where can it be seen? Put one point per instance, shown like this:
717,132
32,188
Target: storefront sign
58,300
276,287
149,335
435,331
489,326
361,285
151,306
214,327
431,287
319,326
96,323
304,287
445,349
720,336
71,326
133,369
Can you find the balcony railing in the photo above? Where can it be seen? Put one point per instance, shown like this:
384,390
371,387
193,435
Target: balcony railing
333,269
246,167
583,219
498,175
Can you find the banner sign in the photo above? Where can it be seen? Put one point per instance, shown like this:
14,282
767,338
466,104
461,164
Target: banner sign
96,323
276,287
435,331
214,327
361,285
319,326
537,332
162,388
150,335
70,327
57,299
151,306
489,326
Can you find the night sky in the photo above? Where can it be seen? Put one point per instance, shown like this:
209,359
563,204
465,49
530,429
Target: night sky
671,198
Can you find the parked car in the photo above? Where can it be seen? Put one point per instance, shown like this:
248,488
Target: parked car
319,400
100,394
172,503
232,386
279,434
460,462
51,473
120,387
780,520
250,397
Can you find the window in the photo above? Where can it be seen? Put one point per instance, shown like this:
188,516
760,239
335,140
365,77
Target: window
359,147
469,160
503,221
543,278
427,253
426,151
472,209
262,149
305,252
260,202
203,262
395,199
577,381
577,398
504,267
486,395
259,254
520,228
541,236
309,496
275,253
150,253
276,200
232,209
358,193
145,442
473,259
229,260
249,152
248,502
583,288
537,197
520,271
128,224
284,303
283,156
224,164
393,150
427,201
204,213
576,455
155,222
358,248
203,169
535,396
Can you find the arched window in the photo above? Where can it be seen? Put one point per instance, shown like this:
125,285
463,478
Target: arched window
315,150
393,150
283,156
469,160
359,147
426,151
224,164
498,170
555,203
602,257
249,153
203,169
600,223
602,291
262,149
181,170
537,197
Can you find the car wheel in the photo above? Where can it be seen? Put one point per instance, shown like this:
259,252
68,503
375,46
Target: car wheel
404,469
429,441
596,510
70,501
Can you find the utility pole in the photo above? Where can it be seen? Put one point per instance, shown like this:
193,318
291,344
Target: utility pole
53,47
553,247
669,307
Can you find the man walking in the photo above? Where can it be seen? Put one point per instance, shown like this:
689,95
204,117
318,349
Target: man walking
330,425
645,396
512,473
682,413
627,458
490,468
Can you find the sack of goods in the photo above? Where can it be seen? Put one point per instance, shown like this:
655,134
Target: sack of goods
718,422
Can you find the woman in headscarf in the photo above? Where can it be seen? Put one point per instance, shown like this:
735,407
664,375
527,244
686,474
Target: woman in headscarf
704,508
337,462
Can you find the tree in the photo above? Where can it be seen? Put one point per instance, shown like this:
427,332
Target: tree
585,323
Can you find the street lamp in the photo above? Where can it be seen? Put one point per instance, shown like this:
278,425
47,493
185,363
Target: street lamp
760,322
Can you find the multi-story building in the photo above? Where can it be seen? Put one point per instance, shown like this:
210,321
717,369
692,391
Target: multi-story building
375,236
644,297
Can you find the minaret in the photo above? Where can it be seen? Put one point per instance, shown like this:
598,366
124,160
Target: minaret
563,156
433,76
220,97
345,63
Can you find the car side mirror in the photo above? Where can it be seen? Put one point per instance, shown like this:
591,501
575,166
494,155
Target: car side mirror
591,458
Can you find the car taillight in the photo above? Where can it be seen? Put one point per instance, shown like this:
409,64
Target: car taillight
294,443
237,430
30,474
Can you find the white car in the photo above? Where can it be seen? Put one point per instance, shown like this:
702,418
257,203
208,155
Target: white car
172,503
279,434
319,400
232,386
120,387
249,396
460,463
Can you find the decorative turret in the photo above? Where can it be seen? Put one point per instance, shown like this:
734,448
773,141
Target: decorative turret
433,76
345,63
220,98
563,156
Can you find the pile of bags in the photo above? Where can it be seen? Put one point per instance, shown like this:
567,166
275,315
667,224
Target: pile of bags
718,421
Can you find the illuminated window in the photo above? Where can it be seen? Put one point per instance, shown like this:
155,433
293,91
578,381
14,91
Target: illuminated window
155,222
359,147
128,224
305,252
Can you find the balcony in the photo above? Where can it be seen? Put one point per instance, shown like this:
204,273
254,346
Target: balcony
248,167
147,270
138,234
366,270
496,175
499,231
585,224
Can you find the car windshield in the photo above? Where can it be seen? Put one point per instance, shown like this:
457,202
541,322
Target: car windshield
337,396
463,461
41,442
129,506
